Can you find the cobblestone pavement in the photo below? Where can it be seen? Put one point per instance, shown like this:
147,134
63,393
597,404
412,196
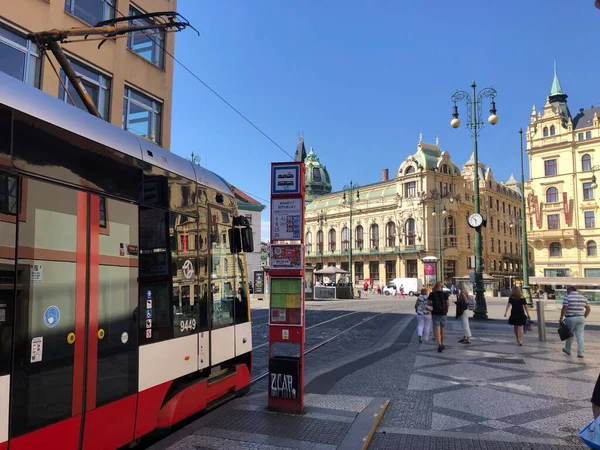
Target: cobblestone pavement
490,394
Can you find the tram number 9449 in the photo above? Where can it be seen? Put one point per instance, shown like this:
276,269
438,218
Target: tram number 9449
187,325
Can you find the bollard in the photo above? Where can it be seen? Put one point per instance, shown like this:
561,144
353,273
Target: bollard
541,317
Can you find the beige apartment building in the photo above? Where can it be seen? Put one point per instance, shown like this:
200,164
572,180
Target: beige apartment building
130,79
420,211
562,196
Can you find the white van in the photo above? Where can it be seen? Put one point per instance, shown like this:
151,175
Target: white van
412,286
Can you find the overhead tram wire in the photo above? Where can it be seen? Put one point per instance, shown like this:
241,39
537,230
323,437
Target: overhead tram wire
219,96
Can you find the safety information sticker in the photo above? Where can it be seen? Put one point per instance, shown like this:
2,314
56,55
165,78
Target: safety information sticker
37,348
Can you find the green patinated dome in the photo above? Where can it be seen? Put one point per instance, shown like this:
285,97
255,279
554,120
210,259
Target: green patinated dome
317,178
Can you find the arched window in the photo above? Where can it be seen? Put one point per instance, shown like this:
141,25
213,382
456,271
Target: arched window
444,168
552,130
358,238
409,169
320,241
345,239
586,163
545,131
449,226
409,232
592,250
555,249
331,240
551,195
374,236
390,233
308,242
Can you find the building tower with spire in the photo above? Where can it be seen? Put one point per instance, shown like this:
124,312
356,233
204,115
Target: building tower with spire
562,198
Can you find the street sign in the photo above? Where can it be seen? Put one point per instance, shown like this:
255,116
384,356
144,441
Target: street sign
286,219
285,179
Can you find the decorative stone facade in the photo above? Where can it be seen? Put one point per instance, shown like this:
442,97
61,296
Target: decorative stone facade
394,225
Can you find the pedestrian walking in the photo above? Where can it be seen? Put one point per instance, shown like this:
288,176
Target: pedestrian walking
440,303
462,312
401,291
423,316
518,313
575,309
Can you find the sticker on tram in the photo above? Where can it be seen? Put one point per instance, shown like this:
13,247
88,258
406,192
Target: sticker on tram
124,337
148,323
148,333
37,348
188,269
148,295
148,304
36,273
187,325
149,314
51,316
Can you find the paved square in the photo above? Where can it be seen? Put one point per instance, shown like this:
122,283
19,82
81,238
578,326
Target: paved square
488,403
468,372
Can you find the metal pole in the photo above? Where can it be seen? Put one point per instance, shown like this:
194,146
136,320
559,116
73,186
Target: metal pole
481,308
524,248
350,248
73,78
440,253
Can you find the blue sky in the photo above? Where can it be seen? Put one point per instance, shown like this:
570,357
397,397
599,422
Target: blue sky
362,79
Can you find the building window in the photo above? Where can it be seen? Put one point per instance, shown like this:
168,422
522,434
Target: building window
469,263
374,271
580,136
320,241
390,232
589,219
19,56
359,273
411,268
503,207
149,45
505,250
358,238
586,163
332,240
8,195
95,83
345,239
553,221
409,169
550,167
588,134
552,130
91,11
444,168
592,250
497,205
545,131
103,218
374,236
409,231
468,240
554,273
308,242
492,245
511,247
552,195
410,189
555,250
588,191
142,115
592,273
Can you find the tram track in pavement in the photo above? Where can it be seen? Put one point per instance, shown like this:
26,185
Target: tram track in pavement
339,330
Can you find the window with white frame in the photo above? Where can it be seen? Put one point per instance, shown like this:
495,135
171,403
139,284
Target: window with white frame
19,57
149,44
91,11
142,115
96,84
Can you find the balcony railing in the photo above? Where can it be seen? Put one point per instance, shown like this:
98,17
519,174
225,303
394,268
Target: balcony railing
546,235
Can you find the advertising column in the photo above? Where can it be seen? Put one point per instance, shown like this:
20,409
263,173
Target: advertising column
286,283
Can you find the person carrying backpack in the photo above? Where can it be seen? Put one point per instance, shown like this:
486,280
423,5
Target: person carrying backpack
440,303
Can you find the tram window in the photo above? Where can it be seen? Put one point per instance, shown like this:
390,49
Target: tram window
103,218
223,288
7,294
242,313
5,134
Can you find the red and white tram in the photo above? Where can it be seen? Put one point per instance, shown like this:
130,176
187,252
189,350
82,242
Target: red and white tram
123,305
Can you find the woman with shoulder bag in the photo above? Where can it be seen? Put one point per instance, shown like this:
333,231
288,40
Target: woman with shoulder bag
423,316
518,313
462,312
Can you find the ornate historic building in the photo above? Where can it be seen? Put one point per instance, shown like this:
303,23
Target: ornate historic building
561,193
419,212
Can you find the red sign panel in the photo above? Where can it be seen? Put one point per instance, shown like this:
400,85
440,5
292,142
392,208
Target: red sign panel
538,218
286,256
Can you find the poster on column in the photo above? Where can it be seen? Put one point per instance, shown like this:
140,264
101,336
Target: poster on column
286,256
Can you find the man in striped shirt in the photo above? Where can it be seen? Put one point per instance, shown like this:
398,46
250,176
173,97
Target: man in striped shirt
575,309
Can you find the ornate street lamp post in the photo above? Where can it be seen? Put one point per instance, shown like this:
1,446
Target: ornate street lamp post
524,247
321,219
474,124
349,201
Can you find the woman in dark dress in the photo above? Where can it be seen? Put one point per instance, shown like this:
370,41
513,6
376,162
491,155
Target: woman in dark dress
518,313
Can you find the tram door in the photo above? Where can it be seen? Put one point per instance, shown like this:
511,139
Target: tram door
74,378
